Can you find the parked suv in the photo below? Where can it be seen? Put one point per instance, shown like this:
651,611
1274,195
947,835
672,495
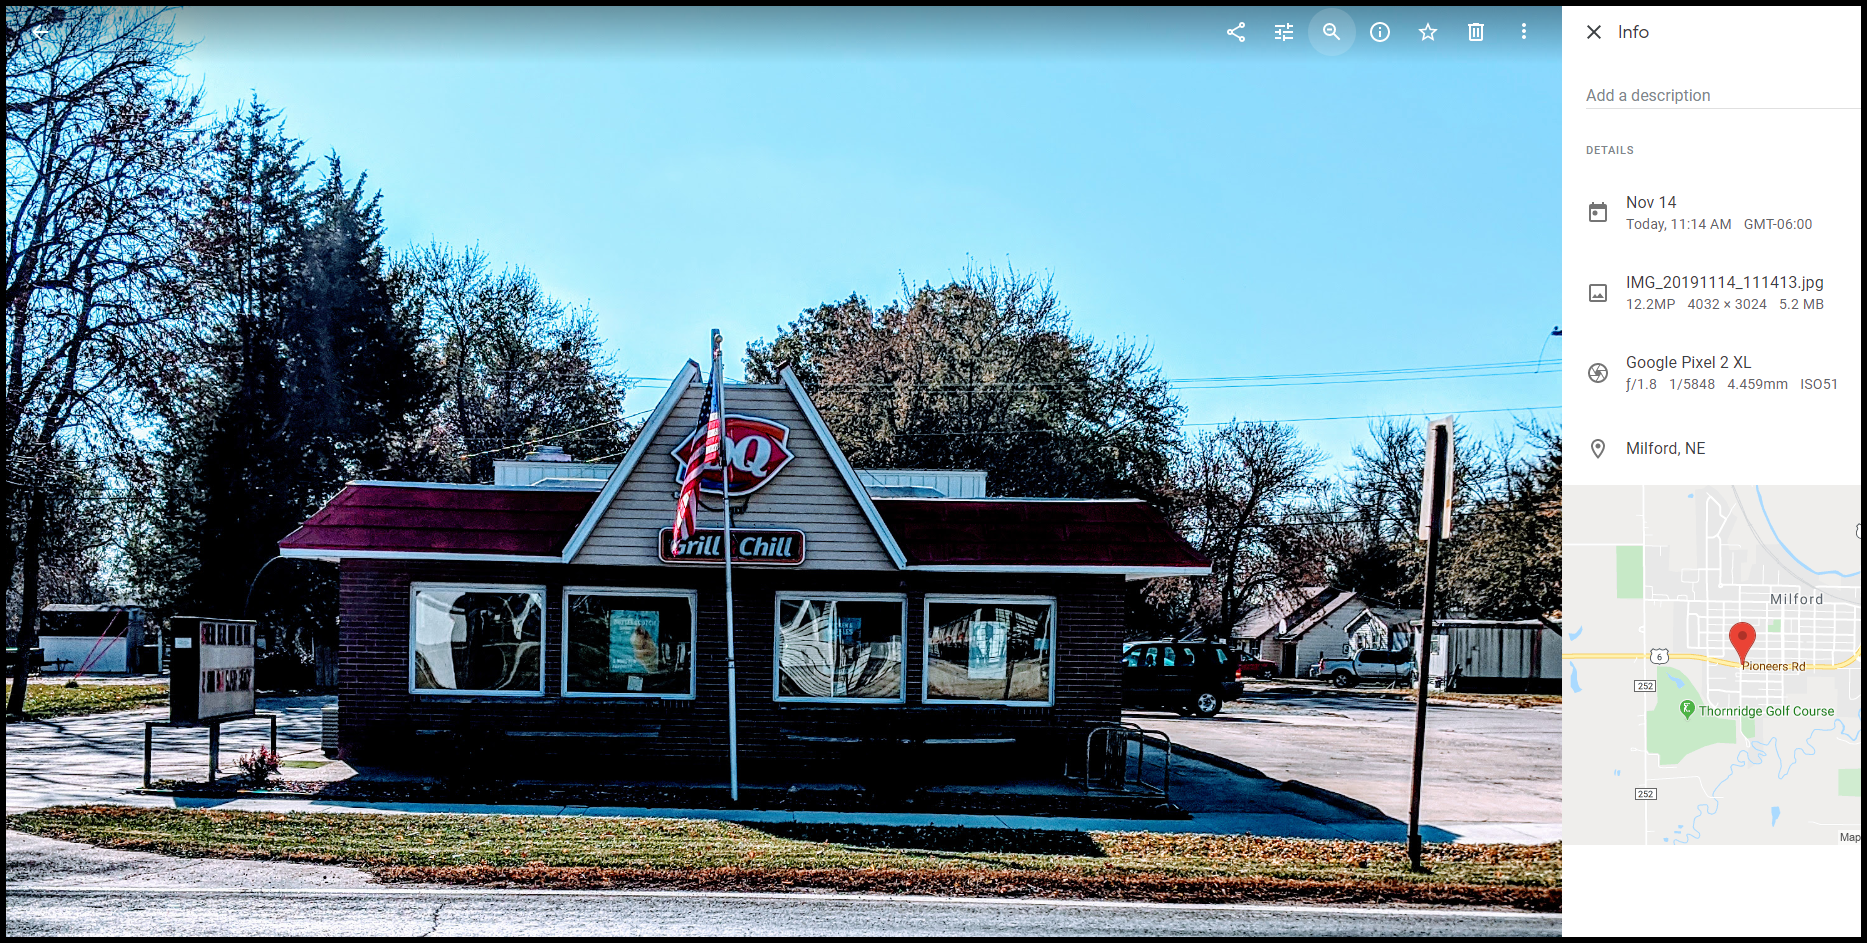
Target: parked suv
1189,677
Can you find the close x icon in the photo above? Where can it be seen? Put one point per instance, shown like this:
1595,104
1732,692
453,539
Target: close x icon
1594,32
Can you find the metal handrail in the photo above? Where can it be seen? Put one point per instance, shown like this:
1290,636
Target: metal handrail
1166,760
1135,732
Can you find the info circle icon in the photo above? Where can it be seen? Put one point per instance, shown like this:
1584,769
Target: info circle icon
1332,32
1379,32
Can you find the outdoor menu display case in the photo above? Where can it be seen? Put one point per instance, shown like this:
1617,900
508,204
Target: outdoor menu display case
211,676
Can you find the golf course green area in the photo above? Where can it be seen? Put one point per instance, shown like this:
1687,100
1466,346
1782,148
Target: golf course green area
1673,732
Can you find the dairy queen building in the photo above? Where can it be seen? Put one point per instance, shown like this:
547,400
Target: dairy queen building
876,613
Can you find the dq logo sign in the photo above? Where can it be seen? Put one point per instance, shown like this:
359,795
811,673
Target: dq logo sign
755,453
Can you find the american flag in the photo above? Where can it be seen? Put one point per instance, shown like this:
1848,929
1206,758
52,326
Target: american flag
708,426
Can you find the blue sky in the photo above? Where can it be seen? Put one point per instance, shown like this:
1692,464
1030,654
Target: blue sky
1244,208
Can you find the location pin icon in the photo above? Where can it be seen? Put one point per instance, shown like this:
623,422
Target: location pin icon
1686,708
1599,447
1742,635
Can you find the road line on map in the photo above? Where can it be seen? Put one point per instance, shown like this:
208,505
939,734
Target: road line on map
1694,656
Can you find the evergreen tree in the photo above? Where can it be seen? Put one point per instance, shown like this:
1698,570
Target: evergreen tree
356,369
228,475
310,375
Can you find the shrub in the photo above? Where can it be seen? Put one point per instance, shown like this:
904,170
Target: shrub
260,766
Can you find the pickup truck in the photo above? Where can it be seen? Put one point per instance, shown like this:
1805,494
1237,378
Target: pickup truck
1367,665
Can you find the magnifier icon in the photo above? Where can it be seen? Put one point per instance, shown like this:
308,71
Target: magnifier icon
1328,29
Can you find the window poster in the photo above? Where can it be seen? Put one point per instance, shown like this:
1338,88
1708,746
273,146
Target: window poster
634,641
849,630
985,657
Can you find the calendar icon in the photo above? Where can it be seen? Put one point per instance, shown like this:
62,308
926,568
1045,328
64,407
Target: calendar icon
1597,212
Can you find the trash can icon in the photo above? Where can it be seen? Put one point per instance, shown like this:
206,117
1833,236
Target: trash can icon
1597,212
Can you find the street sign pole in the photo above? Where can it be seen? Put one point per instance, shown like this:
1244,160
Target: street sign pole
1435,522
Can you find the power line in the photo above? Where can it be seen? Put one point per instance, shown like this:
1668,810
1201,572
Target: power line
1242,422
560,435
1400,379
1383,519
1511,364
1384,375
1438,412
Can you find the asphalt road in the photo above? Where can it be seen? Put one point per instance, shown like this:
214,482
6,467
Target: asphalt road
1483,764
391,912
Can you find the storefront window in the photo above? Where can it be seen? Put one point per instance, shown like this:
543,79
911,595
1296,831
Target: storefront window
476,639
840,648
628,642
990,650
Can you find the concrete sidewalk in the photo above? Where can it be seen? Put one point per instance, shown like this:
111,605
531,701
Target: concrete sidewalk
98,758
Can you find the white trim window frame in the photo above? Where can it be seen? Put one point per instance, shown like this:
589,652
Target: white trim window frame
414,616
777,644
927,627
693,634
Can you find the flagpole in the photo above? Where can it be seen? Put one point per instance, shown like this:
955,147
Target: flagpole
726,554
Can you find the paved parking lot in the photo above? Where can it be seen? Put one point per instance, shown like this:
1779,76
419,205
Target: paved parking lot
1483,764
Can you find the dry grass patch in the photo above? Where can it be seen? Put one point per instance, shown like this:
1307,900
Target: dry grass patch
588,852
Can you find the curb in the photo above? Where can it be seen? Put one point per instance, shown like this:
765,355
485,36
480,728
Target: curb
1213,759
1290,693
1336,799
1301,788
1154,811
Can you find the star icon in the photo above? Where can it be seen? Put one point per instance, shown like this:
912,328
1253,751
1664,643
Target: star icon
1427,32
1237,32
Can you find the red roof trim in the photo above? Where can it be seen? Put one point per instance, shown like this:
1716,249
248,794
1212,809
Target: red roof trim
1116,536
412,519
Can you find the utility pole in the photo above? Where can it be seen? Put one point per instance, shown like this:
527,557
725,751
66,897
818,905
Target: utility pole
1435,522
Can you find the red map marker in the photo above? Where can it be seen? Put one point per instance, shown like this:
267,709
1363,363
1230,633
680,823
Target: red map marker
1742,635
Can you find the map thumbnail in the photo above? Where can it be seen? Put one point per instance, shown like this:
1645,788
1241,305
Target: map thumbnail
1712,685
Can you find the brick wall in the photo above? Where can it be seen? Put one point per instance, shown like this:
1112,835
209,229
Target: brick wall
380,718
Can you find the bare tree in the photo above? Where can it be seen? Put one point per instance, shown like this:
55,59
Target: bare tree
1509,565
1243,494
983,372
515,365
1379,504
100,148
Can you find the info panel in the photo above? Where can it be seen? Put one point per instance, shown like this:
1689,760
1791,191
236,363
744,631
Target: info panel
1711,390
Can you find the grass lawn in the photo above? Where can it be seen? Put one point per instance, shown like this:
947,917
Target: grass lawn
578,852
53,699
